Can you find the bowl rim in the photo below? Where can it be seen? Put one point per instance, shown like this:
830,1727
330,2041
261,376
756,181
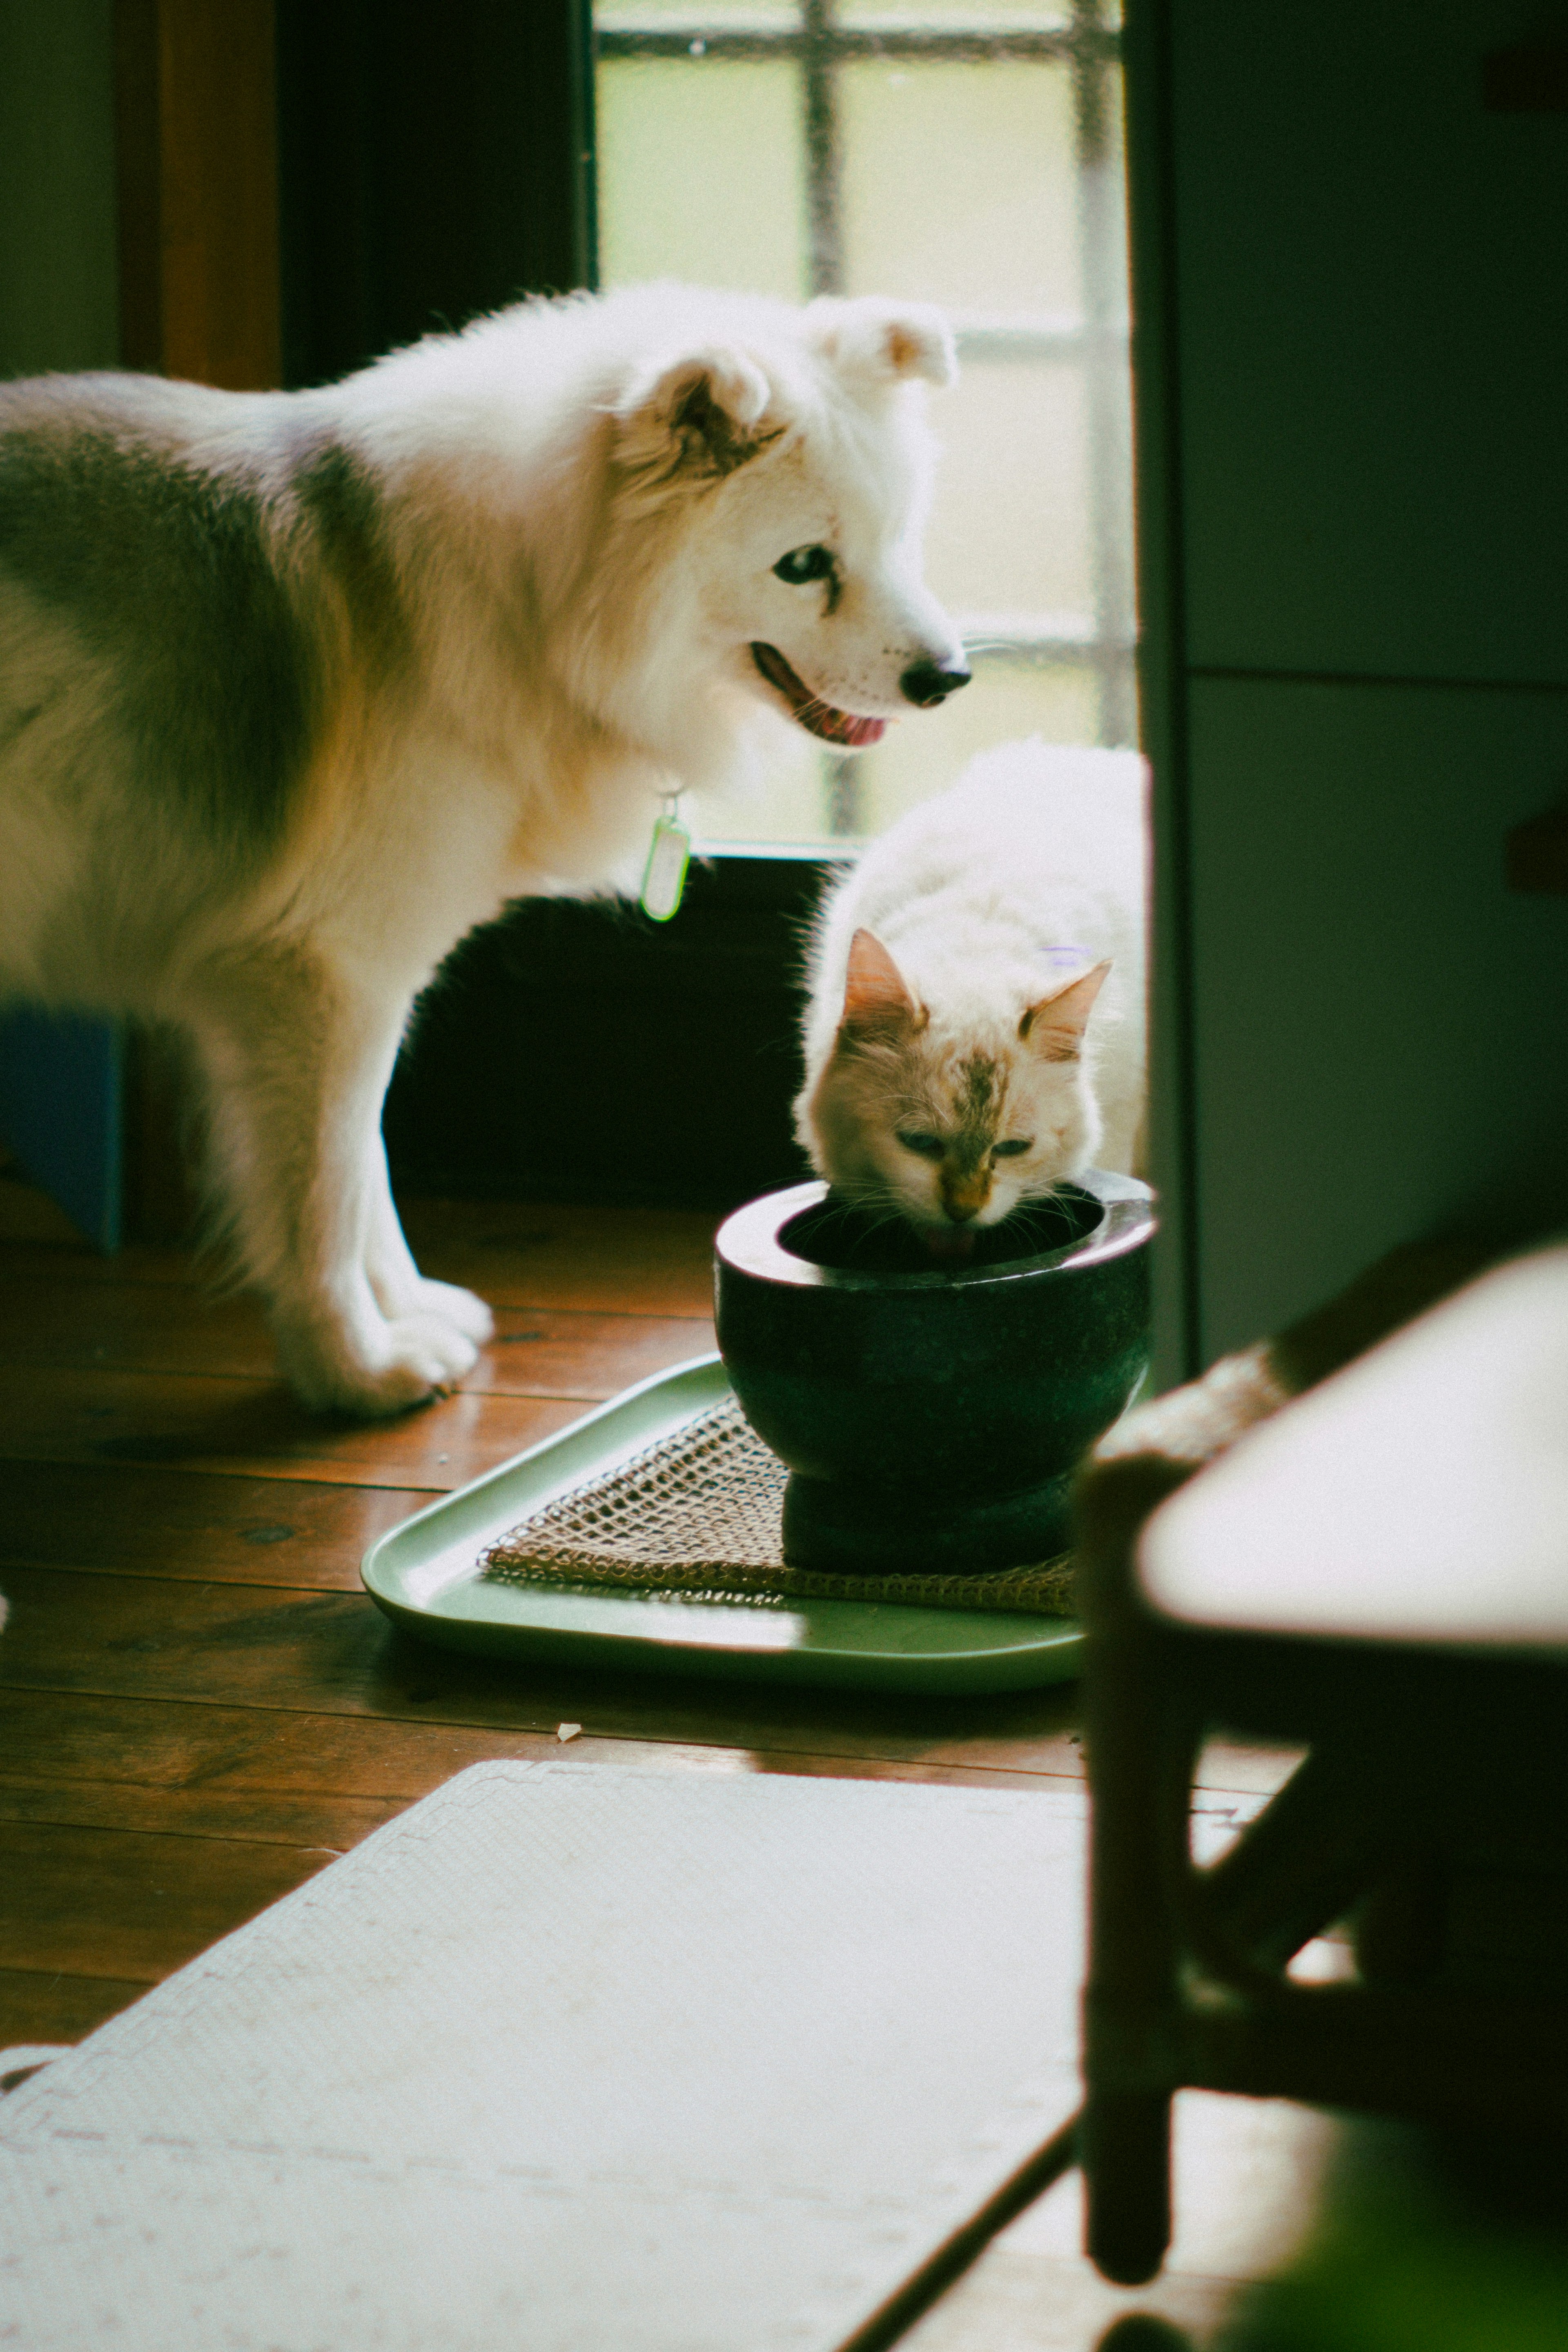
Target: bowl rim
747,1242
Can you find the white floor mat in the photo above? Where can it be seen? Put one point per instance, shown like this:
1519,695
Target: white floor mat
566,2059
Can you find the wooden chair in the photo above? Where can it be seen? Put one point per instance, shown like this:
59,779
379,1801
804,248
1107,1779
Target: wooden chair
1380,1572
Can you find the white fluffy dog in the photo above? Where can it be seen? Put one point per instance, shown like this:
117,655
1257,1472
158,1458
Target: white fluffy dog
297,688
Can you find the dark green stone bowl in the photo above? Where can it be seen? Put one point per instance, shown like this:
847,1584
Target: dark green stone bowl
932,1417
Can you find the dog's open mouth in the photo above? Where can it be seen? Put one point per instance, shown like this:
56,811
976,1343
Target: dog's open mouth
818,718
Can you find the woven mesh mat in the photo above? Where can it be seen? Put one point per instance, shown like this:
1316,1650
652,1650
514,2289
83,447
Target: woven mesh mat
699,1513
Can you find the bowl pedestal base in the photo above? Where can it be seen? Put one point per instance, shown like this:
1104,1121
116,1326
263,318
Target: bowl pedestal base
855,1529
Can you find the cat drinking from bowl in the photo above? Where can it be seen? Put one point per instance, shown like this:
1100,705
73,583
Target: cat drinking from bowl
974,1034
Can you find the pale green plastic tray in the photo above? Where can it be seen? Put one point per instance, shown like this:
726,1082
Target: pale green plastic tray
426,1575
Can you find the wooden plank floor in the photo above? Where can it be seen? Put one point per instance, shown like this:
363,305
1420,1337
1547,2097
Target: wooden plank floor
199,1707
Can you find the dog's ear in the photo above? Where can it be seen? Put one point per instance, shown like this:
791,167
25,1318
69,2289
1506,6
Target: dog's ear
885,342
698,416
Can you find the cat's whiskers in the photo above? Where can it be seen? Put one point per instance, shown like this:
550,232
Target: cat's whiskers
868,1204
871,1203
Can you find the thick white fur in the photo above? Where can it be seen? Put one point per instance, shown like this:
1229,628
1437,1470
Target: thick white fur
1027,873
535,623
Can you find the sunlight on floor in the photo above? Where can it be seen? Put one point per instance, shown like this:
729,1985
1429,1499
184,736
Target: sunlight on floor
1247,2178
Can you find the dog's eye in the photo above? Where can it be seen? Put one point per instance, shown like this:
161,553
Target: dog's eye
1011,1150
803,563
929,1147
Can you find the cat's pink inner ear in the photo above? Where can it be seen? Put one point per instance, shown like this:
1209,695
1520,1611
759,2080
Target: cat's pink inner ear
874,988
1054,1026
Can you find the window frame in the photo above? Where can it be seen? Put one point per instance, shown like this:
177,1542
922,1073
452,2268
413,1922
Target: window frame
1095,343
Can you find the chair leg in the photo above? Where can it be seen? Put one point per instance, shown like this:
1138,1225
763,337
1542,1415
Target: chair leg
1313,1852
1138,1760
1124,2146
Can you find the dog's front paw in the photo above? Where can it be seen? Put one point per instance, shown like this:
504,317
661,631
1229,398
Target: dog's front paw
405,1295
449,1304
421,1356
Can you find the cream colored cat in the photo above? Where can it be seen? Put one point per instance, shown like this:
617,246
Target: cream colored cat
976,1031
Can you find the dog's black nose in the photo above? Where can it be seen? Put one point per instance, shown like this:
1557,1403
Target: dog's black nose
927,684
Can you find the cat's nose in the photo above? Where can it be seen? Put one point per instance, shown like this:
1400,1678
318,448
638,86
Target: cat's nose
961,1199
926,683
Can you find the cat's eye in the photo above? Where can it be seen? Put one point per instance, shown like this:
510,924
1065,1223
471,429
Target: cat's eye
803,563
1011,1149
929,1147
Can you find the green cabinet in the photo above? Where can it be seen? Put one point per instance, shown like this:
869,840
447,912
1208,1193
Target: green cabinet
1351,349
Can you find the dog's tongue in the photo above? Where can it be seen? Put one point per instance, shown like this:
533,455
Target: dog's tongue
817,717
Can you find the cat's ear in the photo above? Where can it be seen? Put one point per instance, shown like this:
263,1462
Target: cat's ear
1054,1027
875,996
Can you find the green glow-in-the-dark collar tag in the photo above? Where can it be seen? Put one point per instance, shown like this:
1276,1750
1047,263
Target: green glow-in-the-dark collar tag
668,855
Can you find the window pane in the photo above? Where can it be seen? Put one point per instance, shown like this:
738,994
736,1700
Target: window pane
959,183
702,174
1005,702
1059,701
969,16
1009,531
694,17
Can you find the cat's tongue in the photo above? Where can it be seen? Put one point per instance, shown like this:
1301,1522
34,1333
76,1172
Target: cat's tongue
818,718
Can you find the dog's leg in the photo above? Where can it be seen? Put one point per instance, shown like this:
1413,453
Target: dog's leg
400,1288
297,1058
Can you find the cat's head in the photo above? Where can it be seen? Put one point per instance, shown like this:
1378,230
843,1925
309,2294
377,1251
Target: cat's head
952,1121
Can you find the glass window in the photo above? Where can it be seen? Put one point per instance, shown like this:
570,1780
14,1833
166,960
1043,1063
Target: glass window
962,152
994,227
702,175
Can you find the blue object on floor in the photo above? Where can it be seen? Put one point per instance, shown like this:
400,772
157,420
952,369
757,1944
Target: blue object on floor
61,1093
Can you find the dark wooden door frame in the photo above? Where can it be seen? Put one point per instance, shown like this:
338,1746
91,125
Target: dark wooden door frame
200,298
433,165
